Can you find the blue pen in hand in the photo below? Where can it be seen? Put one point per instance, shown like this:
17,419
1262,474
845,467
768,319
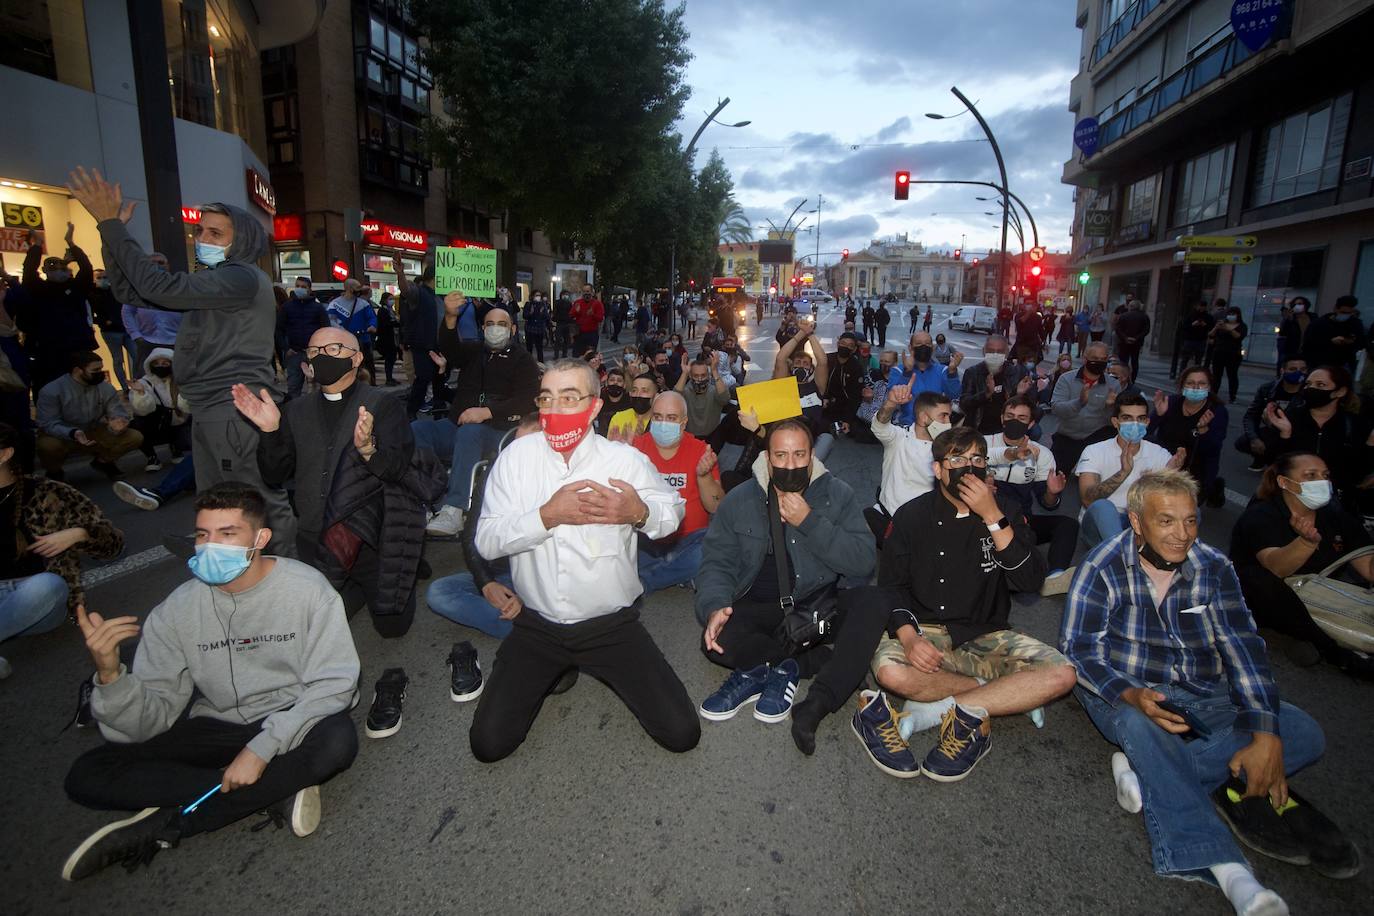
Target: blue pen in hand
196,804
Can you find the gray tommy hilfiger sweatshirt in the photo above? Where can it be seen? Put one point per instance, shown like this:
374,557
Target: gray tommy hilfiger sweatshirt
280,652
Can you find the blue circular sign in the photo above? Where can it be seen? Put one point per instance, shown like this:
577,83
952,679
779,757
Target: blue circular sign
1085,136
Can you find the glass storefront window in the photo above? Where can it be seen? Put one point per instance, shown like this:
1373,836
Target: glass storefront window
213,69
293,262
1204,186
1260,289
46,39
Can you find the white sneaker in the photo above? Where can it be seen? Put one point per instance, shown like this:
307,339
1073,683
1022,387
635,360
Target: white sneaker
153,465
445,523
5,669
141,497
305,811
1058,584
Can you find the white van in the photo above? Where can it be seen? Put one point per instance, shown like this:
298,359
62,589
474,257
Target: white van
974,318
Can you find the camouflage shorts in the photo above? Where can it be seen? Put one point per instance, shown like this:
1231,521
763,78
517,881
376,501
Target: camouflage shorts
990,656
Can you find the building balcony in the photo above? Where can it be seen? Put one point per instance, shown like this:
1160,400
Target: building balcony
1114,34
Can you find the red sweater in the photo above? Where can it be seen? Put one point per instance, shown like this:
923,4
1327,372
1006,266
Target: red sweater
588,313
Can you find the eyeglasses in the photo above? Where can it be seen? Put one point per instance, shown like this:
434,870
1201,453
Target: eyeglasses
545,401
329,349
959,461
666,418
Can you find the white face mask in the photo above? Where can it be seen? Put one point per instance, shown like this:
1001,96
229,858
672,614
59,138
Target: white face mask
496,336
994,361
935,427
1314,493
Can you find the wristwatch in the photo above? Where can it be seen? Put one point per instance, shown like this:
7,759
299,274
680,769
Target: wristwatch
639,525
999,524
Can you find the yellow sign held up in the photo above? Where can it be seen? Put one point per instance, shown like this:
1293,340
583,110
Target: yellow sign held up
1217,241
773,400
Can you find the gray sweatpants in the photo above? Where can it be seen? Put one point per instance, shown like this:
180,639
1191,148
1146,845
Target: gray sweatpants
228,450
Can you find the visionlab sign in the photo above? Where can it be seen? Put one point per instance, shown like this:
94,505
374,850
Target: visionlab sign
379,233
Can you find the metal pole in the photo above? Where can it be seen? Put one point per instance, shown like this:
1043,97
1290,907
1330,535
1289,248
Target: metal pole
988,184
1006,191
820,199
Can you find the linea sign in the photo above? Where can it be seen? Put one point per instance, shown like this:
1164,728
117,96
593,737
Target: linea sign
1216,257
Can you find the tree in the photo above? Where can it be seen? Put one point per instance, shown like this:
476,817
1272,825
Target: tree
542,123
734,225
747,269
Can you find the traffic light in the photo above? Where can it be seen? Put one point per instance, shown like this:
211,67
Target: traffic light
692,284
1035,270
902,188
1083,278
975,262
772,290
958,254
844,252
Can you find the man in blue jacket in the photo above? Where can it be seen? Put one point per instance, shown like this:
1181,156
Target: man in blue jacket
920,370
742,602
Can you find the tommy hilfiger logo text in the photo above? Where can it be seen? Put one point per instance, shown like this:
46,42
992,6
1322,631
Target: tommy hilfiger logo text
243,642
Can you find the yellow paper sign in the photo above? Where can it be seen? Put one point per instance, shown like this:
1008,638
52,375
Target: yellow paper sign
774,400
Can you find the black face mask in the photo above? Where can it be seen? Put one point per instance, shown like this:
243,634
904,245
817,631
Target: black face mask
613,391
161,371
330,369
1014,429
844,353
95,378
791,480
701,386
803,375
641,405
957,474
1151,556
1317,397
1096,366
923,353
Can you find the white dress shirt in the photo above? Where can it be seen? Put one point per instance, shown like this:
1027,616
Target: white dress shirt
574,572
908,470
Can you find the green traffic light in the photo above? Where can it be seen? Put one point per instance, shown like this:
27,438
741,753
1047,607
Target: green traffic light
1083,278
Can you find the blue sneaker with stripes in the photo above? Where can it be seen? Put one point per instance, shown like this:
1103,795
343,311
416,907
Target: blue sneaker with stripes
741,687
778,692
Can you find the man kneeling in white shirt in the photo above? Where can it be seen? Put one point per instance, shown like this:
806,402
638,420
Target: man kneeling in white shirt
565,506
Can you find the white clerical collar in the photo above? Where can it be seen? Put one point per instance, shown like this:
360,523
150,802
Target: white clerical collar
332,396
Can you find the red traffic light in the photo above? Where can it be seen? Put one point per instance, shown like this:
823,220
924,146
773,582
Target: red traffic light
902,188
1035,270
844,252
975,262
772,290
692,284
958,254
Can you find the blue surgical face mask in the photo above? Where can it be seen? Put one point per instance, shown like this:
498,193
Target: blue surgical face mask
209,255
220,564
665,434
1196,394
1132,430
1295,377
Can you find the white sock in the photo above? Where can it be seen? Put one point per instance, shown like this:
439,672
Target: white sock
1246,894
917,716
1127,785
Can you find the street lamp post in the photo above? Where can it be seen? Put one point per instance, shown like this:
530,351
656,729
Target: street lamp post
691,169
1001,168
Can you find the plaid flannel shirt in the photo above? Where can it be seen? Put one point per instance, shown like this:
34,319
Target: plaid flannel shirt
1201,634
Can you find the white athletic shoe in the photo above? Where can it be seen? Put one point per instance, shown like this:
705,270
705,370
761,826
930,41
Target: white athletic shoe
305,811
1058,584
445,523
141,497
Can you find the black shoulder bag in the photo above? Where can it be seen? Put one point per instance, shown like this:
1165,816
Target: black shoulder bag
809,622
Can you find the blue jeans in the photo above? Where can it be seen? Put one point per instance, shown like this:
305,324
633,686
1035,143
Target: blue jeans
1177,777
180,479
1101,522
467,444
31,605
459,599
120,345
679,564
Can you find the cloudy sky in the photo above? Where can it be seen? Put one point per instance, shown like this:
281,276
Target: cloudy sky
837,93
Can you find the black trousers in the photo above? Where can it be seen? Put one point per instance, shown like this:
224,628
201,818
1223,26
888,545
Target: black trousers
838,666
180,765
158,430
614,649
425,370
1060,532
1229,364
1130,355
359,587
535,344
1278,607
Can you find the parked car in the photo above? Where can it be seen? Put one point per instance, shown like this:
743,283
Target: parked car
973,318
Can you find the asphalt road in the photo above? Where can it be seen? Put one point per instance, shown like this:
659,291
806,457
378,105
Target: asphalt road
591,816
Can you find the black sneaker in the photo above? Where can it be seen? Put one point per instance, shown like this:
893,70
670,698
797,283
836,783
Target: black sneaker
1332,853
466,683
389,693
108,468
84,718
130,842
1256,824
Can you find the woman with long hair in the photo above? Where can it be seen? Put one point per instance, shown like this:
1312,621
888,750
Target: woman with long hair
1295,527
1325,420
43,526
1194,420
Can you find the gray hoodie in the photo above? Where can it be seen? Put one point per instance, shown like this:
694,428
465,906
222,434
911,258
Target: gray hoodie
66,405
231,314
280,650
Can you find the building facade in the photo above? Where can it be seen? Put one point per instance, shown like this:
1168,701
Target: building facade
903,268
1192,124
161,95
345,110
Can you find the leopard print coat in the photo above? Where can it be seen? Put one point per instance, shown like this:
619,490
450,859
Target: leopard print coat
43,506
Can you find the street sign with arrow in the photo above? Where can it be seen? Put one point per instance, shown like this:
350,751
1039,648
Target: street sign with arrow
1216,257
1217,241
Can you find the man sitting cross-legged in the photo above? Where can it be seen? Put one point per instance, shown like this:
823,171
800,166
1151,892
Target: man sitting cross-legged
1172,671
260,649
955,553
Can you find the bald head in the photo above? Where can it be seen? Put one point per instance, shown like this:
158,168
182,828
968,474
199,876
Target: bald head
496,316
671,405
331,335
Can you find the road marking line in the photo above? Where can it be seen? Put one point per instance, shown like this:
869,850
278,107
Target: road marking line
124,567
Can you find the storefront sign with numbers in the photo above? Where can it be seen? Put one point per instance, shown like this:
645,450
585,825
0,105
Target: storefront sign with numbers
1255,21
22,216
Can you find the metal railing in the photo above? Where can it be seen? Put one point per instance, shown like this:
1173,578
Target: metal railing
1115,33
